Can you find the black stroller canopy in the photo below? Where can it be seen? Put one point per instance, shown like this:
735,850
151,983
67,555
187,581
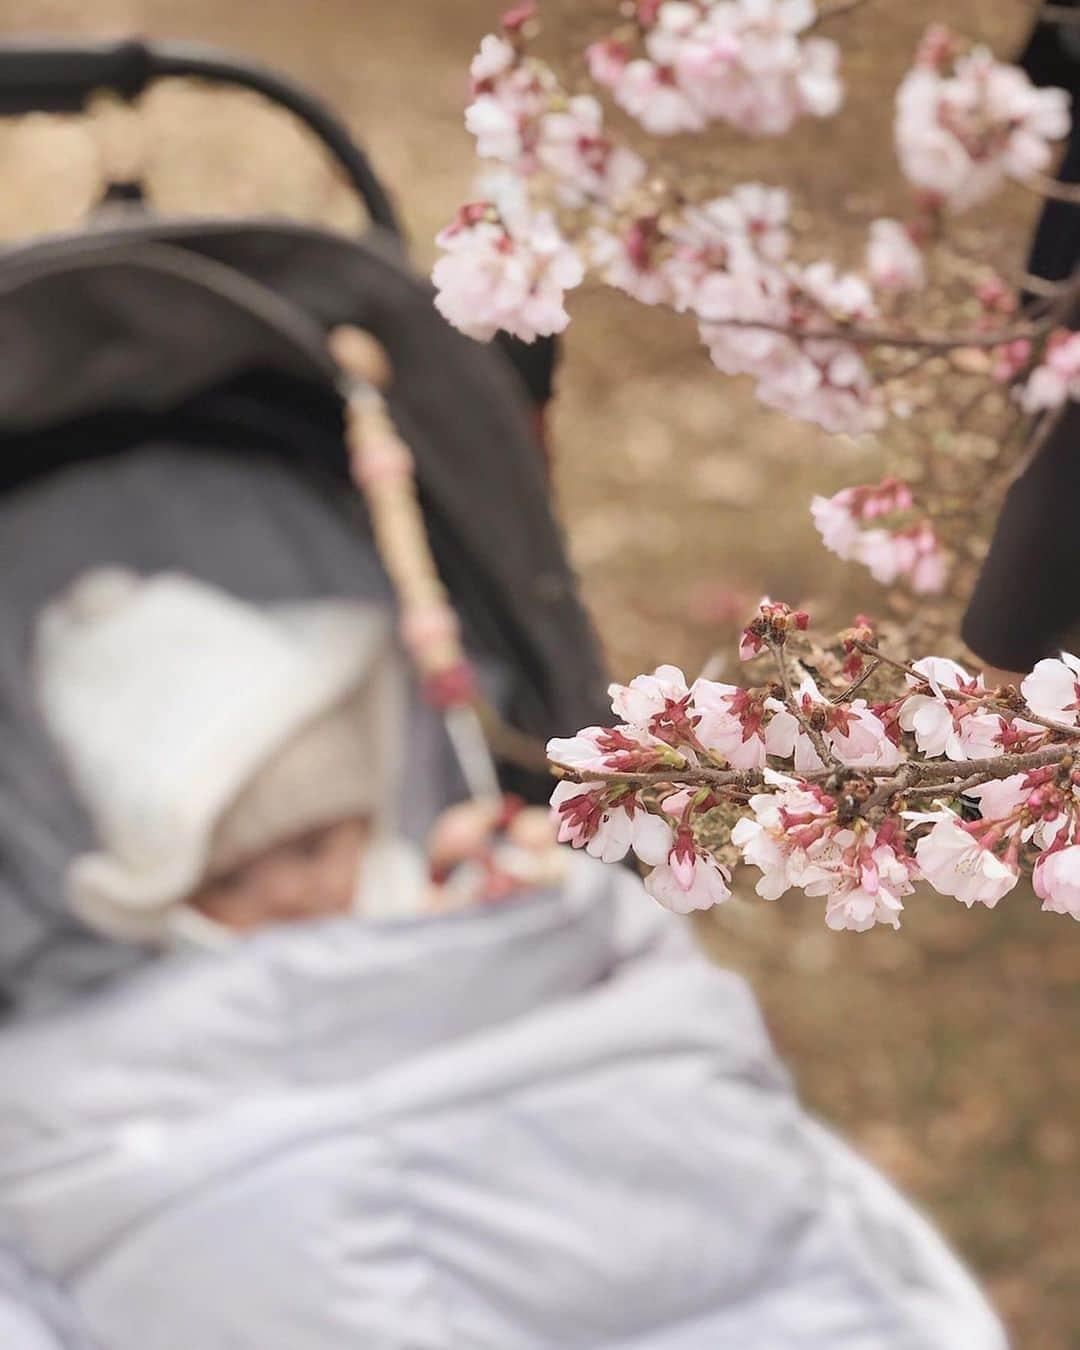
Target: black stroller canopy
166,401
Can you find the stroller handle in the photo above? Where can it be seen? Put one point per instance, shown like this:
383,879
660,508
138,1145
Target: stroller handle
59,77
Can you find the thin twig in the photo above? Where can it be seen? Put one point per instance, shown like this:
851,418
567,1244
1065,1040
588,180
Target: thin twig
882,337
857,683
1051,188
837,11
1043,431
794,706
987,701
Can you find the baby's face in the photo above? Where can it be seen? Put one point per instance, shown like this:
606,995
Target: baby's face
303,878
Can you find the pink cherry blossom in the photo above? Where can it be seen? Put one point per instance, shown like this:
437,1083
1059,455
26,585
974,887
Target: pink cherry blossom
934,726
861,877
785,823
630,261
1052,690
689,878
851,730
615,749
507,271
843,296
826,383
949,726
837,523
912,552
520,117
756,214
908,550
649,93
820,379
961,133
1056,880
495,58
648,696
793,838
606,61
717,249
508,104
608,831
733,723
893,261
1058,378
744,62
586,163
957,863
860,739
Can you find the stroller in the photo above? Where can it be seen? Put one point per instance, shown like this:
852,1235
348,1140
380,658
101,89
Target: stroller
168,401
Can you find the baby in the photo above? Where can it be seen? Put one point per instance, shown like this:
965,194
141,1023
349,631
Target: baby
242,766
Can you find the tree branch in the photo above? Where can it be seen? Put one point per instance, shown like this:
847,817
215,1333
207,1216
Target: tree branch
987,701
858,334
845,694
921,776
1051,188
837,11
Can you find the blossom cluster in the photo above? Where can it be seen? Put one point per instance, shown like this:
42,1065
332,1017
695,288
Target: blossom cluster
749,63
966,122
820,792
727,262
582,201
567,201
1057,378
758,318
506,267
522,118
894,262
874,525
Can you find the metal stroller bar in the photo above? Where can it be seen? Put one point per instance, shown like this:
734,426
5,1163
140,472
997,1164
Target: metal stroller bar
44,75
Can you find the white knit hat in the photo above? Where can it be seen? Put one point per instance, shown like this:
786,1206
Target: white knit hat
168,698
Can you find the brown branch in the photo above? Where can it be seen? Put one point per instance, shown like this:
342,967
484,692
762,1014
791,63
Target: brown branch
913,776
741,779
1050,188
952,789
857,683
857,334
987,701
1044,428
837,11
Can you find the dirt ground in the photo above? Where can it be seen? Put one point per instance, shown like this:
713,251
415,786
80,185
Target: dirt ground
944,1051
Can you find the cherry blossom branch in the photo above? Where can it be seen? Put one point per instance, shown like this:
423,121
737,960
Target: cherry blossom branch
875,814
988,700
927,341
915,775
1052,188
1047,425
836,11
857,683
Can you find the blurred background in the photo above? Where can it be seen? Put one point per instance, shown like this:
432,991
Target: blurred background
944,1051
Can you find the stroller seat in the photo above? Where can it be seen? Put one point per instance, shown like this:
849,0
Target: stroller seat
169,403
